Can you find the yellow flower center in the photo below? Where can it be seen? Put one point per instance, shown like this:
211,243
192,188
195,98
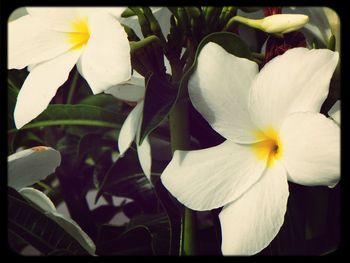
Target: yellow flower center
80,33
270,145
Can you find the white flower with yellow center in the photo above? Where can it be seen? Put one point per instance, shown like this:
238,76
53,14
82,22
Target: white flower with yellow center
274,133
52,40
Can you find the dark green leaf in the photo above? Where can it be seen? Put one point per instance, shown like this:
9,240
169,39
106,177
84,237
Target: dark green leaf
106,101
159,99
159,228
26,139
94,143
60,114
36,228
128,13
103,214
113,241
125,178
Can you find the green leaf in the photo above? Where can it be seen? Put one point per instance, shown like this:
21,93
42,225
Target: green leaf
128,13
44,203
27,139
159,228
125,178
106,101
94,143
159,99
42,232
114,241
60,114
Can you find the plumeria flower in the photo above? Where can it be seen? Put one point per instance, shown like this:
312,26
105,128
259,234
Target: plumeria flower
274,134
334,112
32,165
52,40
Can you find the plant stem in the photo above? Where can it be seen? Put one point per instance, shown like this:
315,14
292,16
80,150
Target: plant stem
180,140
72,87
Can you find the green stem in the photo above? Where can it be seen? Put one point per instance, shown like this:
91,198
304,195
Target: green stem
255,23
180,140
73,87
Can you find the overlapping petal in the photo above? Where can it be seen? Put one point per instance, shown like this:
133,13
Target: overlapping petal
129,129
38,198
133,90
219,90
32,165
251,222
106,58
41,85
30,42
145,156
311,149
210,178
296,81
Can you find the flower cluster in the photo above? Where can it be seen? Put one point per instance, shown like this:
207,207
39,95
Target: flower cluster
267,97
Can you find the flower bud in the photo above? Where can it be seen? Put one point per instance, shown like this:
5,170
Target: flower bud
277,24
283,23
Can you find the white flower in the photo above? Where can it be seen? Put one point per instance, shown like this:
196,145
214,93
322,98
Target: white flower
52,40
334,112
35,164
274,133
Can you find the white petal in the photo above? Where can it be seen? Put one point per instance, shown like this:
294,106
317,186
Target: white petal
251,222
162,15
106,59
219,91
133,90
210,178
41,85
311,149
88,11
145,157
296,81
130,126
38,198
55,18
32,165
144,152
29,42
115,11
334,112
